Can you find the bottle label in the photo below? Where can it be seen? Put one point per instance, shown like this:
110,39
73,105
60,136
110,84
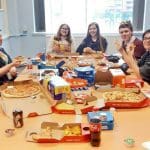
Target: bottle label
18,119
95,127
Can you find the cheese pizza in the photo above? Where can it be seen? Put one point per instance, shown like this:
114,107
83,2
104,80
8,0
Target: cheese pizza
21,90
123,96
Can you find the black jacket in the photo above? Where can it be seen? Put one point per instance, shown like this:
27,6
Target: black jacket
87,42
4,78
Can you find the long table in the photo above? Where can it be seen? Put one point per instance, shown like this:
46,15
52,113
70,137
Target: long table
129,123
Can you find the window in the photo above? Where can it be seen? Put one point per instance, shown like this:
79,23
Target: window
79,13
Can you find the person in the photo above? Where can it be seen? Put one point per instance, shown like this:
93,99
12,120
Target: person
62,41
142,67
126,33
7,66
93,42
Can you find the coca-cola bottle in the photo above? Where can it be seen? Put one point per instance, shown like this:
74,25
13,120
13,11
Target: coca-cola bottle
95,130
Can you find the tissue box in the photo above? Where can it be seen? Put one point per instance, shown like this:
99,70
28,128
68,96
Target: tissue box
106,117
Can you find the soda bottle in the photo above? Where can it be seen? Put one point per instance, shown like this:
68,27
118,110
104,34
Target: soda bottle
29,63
18,118
95,130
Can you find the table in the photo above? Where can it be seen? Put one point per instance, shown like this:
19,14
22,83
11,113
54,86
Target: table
134,123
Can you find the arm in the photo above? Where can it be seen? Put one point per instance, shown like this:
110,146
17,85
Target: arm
129,59
81,47
4,70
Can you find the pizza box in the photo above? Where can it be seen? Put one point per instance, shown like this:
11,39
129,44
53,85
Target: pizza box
134,82
51,132
31,105
76,82
106,117
118,77
58,87
76,106
134,98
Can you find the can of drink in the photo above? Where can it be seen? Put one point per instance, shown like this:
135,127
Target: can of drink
95,130
18,118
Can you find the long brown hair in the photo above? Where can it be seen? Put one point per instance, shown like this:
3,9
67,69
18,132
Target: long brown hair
99,37
58,35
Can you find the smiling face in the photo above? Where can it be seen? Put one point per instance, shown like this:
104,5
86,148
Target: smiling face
92,30
64,30
146,41
125,34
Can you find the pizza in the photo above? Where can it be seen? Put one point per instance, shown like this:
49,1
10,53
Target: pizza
19,58
123,96
21,90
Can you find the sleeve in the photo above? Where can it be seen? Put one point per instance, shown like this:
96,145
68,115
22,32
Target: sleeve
81,47
9,58
139,49
50,45
145,71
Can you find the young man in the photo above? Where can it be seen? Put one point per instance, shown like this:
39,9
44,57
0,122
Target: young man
142,68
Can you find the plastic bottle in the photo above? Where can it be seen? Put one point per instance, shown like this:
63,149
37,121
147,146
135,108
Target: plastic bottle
29,63
95,130
18,118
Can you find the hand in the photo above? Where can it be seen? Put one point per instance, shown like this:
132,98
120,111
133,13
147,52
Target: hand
13,71
56,48
67,48
88,50
130,49
16,63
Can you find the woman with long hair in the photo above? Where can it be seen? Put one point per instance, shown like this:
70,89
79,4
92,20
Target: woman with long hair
93,42
62,42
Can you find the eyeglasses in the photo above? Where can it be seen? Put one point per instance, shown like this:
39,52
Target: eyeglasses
146,38
64,28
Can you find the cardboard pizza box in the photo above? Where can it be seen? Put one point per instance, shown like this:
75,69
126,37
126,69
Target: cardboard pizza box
118,77
51,132
34,105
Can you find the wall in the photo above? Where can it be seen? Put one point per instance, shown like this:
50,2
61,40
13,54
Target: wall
21,37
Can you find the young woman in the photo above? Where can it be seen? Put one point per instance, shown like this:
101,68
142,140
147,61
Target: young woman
62,42
93,42
126,33
7,67
142,68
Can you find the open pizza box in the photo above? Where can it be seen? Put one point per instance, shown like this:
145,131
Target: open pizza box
123,97
51,132
32,104
78,104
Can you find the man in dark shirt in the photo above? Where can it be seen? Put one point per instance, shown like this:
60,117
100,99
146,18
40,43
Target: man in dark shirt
142,68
